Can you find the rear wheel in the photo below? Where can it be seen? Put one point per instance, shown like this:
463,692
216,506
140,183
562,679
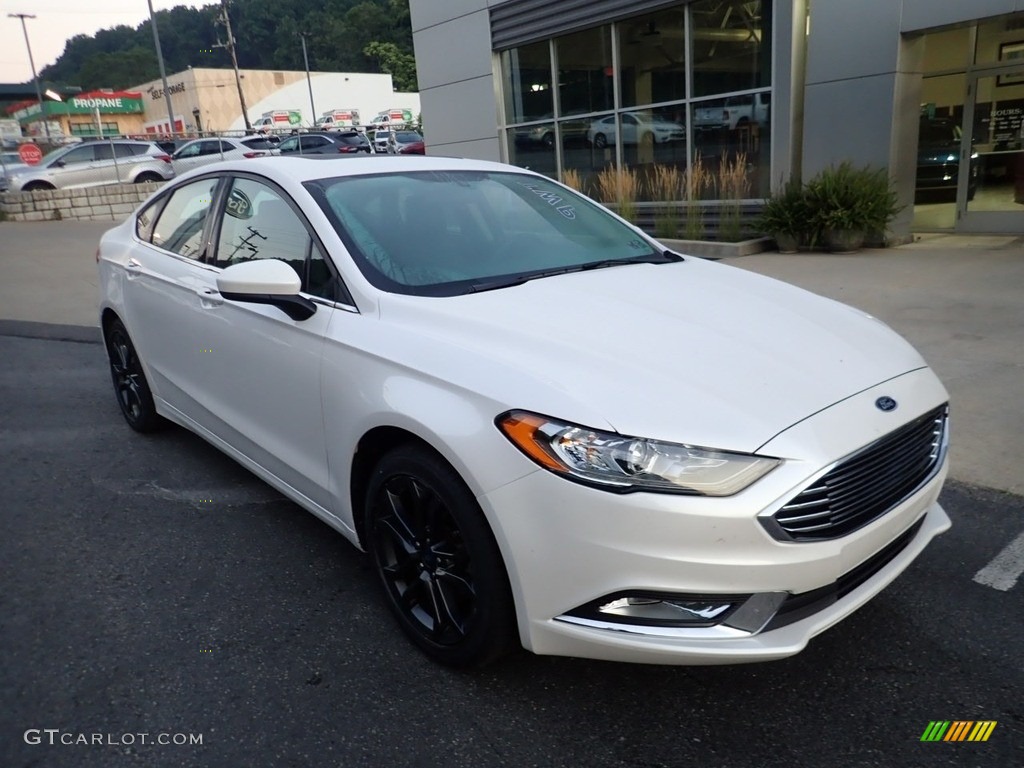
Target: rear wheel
142,178
437,560
130,385
37,186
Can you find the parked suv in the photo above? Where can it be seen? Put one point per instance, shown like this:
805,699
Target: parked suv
205,151
94,163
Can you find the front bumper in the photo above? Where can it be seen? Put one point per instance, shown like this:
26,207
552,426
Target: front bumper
567,545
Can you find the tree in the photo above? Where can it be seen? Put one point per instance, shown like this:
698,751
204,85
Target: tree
344,35
401,66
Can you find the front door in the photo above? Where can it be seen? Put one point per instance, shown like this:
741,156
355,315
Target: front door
990,192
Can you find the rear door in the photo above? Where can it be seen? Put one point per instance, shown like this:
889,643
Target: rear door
166,282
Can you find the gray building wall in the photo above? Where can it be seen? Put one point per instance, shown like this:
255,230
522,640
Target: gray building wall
452,41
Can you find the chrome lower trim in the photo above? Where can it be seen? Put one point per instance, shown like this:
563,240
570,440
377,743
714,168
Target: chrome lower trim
748,619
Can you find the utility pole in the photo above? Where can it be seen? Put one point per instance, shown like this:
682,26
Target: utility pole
163,71
230,45
32,63
309,82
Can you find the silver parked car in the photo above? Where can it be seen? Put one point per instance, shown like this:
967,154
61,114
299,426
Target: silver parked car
205,151
92,164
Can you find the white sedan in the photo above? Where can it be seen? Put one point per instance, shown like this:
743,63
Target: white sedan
637,128
546,429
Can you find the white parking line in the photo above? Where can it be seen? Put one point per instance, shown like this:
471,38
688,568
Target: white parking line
1005,568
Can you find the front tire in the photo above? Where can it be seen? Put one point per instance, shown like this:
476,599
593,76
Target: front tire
437,560
600,141
130,385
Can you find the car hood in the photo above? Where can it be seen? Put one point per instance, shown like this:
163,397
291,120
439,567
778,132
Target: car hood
691,352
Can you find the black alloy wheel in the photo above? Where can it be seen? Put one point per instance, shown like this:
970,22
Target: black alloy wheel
600,141
142,178
130,385
437,560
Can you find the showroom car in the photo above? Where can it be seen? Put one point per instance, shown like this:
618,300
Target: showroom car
546,429
637,128
938,161
92,164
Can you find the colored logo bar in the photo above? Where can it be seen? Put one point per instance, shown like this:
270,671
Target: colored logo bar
958,730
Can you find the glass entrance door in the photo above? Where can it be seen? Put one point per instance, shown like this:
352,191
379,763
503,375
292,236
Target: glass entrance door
990,190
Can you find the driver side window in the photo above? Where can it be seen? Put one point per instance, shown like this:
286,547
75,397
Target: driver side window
259,223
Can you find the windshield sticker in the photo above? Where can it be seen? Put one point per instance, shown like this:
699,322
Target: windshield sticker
551,199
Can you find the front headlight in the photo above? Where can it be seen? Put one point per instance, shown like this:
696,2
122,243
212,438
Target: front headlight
621,463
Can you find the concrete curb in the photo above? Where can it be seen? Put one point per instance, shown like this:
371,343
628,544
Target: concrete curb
79,334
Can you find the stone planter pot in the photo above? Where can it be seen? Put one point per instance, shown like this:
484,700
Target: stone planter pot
786,243
843,240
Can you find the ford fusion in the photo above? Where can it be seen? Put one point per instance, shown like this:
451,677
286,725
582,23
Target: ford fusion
545,429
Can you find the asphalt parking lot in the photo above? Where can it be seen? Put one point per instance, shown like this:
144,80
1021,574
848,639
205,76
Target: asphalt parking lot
154,587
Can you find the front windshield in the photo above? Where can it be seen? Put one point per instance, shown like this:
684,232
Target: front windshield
443,233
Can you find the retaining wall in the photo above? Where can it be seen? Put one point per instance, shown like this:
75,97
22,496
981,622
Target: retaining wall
111,202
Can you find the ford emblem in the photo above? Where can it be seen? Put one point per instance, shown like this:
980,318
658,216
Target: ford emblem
886,404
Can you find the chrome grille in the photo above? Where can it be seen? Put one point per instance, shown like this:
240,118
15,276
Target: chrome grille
867,484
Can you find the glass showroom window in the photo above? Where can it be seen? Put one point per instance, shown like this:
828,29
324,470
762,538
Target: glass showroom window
585,82
725,50
526,77
652,58
526,80
730,45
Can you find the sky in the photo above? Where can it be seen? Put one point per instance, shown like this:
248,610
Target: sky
56,21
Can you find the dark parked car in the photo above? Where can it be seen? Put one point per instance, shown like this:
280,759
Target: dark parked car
938,161
335,142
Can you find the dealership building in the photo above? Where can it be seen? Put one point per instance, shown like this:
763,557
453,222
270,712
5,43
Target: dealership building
932,90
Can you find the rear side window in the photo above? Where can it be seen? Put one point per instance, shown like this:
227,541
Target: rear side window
83,154
179,228
130,150
258,144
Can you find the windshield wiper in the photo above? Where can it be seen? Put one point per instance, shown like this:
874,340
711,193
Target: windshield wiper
665,257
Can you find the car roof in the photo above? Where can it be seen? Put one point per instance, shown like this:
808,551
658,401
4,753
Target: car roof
286,169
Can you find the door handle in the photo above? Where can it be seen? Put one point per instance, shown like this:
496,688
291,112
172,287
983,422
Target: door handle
209,297
133,268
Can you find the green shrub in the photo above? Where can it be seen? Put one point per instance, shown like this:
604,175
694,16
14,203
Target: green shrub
787,213
846,198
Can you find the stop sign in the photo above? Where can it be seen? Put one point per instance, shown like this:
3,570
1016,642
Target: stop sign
30,154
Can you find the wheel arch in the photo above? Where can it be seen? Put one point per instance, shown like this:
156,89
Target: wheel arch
379,440
108,316
371,447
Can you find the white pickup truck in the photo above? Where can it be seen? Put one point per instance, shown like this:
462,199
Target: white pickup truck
735,112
